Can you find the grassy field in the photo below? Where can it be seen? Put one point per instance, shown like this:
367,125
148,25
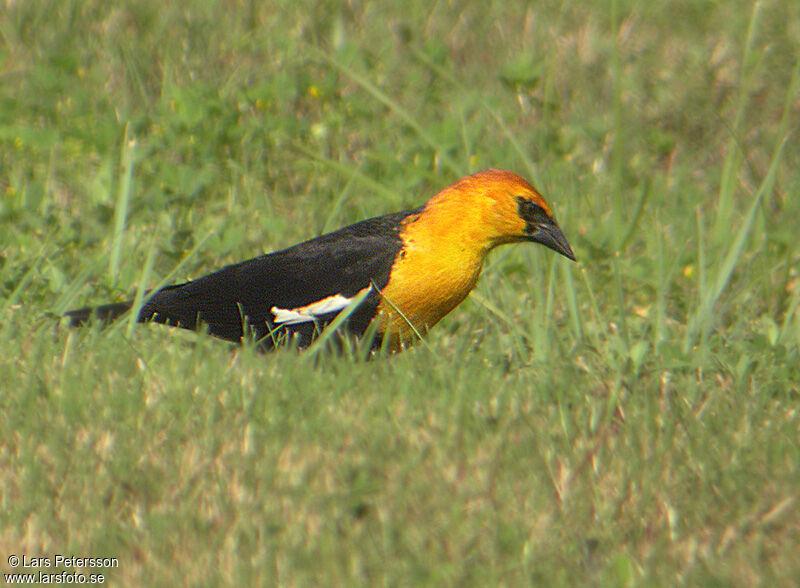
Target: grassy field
632,420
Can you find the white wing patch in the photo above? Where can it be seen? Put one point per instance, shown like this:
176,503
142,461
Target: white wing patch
313,311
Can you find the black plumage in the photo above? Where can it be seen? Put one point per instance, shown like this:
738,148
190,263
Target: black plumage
236,301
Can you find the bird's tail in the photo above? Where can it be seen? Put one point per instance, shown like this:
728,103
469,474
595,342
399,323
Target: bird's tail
207,301
104,314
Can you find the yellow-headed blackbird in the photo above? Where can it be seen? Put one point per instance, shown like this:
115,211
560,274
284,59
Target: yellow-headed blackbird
410,269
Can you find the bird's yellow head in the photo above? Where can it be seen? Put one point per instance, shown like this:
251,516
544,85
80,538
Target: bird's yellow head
498,207
444,246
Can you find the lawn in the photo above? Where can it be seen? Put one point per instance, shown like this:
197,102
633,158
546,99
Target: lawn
629,420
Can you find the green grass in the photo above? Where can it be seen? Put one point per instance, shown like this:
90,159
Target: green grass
633,420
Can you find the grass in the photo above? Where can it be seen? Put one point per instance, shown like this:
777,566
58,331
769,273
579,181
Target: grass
632,420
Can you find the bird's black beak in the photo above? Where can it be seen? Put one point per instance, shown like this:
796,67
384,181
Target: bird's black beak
550,235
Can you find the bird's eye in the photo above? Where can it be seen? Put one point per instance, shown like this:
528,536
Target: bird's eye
531,212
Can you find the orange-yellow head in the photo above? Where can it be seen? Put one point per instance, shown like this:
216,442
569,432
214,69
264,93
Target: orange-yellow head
445,244
494,207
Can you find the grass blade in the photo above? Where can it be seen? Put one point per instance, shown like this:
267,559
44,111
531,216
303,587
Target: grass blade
623,320
512,139
733,159
734,253
141,288
338,203
123,200
572,302
65,298
395,107
333,326
344,170
161,283
23,282
407,321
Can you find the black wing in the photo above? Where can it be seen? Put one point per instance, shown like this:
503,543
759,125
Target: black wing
238,299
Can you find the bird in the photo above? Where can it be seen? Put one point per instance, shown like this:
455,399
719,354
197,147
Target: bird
393,276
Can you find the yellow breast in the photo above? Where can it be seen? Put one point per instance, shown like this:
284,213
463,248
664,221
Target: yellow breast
435,271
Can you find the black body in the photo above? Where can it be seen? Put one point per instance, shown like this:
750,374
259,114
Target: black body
236,301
